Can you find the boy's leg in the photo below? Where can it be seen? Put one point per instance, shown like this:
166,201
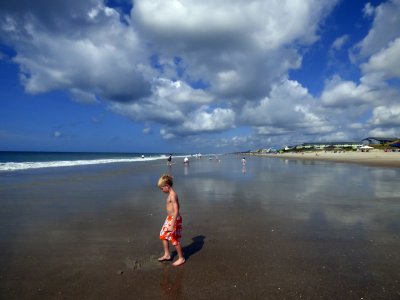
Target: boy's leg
167,254
181,258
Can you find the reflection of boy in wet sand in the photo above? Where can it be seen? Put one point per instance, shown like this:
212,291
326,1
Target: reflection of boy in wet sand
171,284
172,228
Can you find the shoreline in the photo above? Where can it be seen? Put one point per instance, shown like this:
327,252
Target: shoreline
374,158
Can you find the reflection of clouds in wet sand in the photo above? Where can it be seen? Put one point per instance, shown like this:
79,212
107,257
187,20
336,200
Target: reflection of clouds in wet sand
213,189
344,196
385,183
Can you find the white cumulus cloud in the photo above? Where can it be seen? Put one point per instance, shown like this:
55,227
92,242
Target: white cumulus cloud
386,61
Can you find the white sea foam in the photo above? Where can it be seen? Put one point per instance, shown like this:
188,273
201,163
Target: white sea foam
15,166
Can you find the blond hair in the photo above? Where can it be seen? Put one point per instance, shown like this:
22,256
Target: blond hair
165,180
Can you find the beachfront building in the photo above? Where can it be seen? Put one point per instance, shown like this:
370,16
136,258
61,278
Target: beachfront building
265,151
395,144
379,140
384,141
329,145
289,148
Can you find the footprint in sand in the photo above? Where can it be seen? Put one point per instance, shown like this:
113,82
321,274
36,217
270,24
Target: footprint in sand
144,264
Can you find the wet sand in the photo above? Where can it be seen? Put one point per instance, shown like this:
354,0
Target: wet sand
274,229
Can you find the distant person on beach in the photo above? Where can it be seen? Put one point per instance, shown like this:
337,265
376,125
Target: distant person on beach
169,160
243,161
172,228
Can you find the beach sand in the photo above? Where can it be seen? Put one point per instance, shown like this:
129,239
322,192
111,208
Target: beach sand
372,158
272,230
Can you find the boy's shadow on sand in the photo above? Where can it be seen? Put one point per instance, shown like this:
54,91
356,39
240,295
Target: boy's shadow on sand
194,247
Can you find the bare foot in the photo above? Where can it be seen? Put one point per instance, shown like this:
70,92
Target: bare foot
178,262
164,258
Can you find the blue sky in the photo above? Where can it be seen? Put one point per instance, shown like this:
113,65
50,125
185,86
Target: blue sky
196,76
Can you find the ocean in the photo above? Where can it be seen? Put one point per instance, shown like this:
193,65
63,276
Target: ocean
16,161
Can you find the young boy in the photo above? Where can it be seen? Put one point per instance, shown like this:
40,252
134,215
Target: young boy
171,230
